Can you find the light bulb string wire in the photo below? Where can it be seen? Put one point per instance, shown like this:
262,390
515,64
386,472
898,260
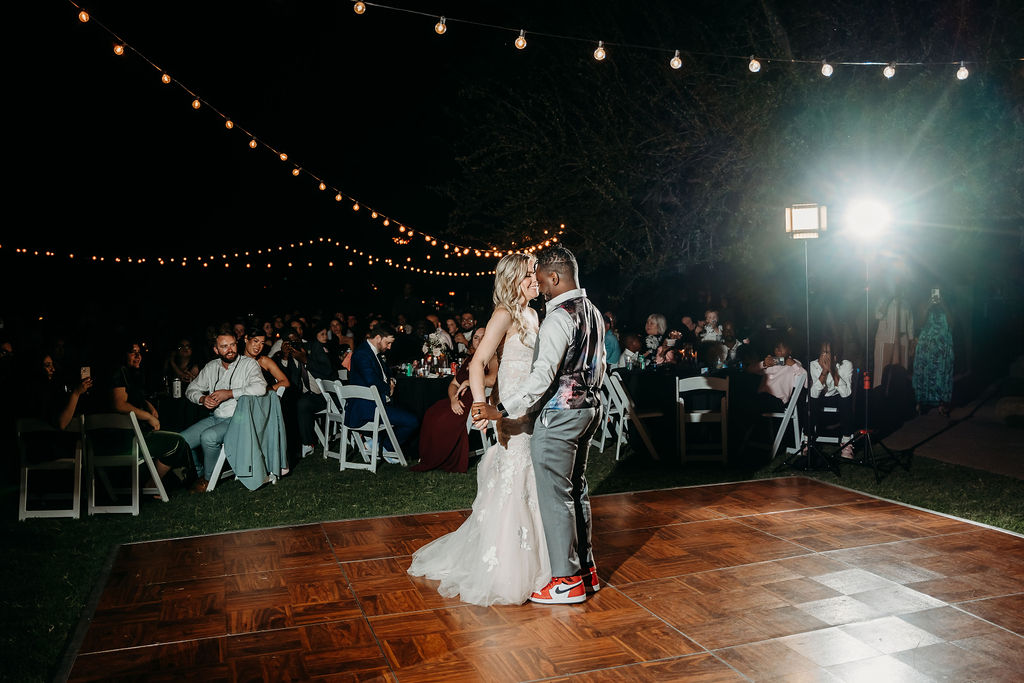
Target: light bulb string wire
355,255
671,51
475,251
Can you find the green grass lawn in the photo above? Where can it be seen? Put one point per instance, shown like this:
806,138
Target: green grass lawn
51,566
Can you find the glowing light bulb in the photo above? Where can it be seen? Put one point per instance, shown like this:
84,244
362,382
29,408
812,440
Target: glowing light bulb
889,71
295,171
118,49
165,78
826,69
355,207
962,73
252,143
359,7
440,28
387,223
521,40
599,53
373,214
196,103
338,197
754,65
322,187
676,62
284,157
229,124
83,16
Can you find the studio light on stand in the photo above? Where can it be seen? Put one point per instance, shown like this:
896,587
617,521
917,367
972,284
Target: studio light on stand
806,222
868,220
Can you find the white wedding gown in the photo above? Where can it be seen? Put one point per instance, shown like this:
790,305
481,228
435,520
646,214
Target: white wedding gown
499,554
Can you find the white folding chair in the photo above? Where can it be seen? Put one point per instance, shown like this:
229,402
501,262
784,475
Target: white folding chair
222,470
25,430
334,417
144,449
612,414
790,417
130,452
632,416
690,415
367,437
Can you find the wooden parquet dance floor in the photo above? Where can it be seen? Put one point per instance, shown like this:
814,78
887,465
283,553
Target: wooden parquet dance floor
783,579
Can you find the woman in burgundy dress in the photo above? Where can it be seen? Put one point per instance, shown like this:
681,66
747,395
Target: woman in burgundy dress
444,436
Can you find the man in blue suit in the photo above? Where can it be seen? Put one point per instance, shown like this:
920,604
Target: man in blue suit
370,369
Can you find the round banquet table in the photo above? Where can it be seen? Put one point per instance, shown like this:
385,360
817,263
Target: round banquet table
416,394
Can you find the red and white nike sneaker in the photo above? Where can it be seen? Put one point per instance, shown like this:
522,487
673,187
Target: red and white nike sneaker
590,580
562,590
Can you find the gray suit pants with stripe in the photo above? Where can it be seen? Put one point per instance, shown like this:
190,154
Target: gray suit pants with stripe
561,439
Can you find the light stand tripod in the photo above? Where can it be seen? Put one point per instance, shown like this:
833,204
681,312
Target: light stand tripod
810,452
863,435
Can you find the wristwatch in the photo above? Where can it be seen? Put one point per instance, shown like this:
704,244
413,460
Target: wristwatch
501,409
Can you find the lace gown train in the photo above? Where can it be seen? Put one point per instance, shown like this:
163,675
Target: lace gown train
499,554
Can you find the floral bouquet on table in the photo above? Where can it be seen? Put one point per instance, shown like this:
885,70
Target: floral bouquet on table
435,344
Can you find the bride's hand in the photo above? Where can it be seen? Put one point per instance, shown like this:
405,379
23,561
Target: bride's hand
462,390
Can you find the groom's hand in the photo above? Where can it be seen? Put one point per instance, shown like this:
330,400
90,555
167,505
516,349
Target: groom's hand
502,430
484,411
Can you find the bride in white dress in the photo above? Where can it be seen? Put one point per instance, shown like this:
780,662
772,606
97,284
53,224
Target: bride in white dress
499,554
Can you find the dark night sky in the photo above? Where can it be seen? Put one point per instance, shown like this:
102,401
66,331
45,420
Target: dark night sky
106,158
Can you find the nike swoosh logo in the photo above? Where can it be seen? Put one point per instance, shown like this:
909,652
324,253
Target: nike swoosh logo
559,591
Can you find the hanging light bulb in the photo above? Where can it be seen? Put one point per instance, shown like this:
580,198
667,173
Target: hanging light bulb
338,197
359,7
284,157
889,71
373,214
599,53
165,78
826,69
83,16
252,143
754,65
196,104
440,28
521,40
355,207
322,186
295,171
229,124
387,223
962,73
676,62
118,49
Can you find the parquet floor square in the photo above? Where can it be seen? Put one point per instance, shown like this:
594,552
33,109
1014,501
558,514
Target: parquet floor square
786,579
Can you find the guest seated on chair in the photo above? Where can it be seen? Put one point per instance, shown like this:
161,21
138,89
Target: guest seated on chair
370,369
444,438
128,395
217,387
255,345
831,388
778,375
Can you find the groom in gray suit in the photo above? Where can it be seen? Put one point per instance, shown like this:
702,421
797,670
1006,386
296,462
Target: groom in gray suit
565,386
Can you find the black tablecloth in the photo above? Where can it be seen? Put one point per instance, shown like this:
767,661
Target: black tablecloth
178,413
416,394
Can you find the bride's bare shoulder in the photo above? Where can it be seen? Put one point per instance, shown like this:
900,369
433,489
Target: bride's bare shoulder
500,317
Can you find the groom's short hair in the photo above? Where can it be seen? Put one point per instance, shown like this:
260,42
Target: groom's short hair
560,260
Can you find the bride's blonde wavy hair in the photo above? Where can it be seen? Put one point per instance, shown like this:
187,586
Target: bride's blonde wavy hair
511,270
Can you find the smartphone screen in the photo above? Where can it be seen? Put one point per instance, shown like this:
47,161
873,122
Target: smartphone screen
86,372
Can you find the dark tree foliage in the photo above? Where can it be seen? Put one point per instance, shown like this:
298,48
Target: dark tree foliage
635,157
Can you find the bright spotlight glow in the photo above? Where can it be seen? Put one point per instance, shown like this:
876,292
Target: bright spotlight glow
867,218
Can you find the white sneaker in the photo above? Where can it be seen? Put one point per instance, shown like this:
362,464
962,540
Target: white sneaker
306,450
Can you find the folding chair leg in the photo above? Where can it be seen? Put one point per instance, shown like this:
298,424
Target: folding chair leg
215,475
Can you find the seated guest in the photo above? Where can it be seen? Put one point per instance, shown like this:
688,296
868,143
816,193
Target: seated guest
255,345
778,375
217,387
830,387
47,398
370,369
466,321
709,329
167,449
181,363
612,351
730,343
689,330
631,348
444,438
655,328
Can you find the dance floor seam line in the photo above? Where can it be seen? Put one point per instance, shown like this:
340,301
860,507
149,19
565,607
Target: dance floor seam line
811,591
